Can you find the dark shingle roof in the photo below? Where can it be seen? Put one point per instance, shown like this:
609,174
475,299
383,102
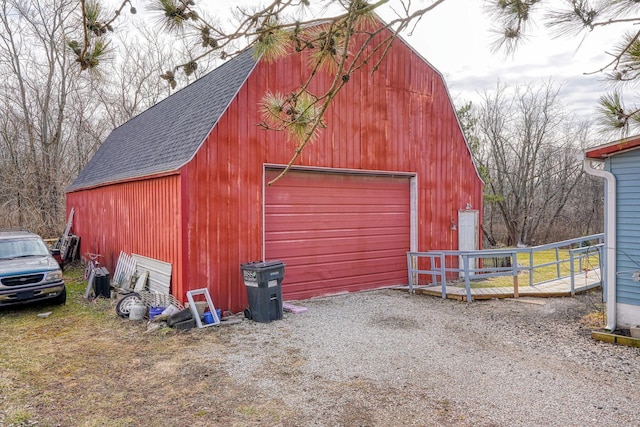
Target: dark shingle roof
167,135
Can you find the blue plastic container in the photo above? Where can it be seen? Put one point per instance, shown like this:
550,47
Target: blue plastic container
155,311
207,316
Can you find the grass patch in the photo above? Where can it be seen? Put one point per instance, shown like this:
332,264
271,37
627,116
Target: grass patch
267,413
84,365
545,267
17,417
595,319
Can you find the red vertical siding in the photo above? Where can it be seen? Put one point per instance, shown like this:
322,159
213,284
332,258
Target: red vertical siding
208,219
140,217
398,119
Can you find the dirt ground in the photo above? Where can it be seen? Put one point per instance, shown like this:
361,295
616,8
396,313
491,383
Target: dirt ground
85,366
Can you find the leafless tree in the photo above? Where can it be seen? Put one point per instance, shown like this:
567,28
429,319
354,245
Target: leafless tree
38,80
533,175
52,116
133,83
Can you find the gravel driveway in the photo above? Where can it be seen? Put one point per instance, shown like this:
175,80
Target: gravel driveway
389,358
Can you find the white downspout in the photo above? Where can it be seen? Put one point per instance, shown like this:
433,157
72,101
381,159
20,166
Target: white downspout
609,238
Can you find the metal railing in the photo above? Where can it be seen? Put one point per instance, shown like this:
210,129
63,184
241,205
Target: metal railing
442,264
580,254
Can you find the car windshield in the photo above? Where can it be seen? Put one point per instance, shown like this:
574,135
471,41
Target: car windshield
23,247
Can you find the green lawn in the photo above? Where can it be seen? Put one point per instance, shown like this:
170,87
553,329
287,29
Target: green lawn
544,268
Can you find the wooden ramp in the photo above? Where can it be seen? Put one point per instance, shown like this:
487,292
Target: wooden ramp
556,288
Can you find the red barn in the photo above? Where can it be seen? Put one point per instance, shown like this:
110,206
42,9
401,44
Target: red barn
185,182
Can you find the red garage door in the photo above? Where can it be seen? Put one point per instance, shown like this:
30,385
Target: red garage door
337,232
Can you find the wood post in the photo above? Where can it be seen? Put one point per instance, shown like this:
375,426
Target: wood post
414,267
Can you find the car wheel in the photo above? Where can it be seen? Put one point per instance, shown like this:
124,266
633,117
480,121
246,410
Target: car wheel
62,298
123,307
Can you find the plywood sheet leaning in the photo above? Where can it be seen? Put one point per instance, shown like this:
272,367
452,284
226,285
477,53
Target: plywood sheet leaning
159,280
66,237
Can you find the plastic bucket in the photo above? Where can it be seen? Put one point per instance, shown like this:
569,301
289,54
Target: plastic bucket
207,316
137,311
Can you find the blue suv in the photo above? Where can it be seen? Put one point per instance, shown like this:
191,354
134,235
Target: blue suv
28,272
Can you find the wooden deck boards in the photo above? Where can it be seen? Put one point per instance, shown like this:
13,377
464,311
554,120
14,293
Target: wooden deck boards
556,288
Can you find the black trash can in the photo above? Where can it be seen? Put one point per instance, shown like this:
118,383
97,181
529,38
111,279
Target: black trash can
263,280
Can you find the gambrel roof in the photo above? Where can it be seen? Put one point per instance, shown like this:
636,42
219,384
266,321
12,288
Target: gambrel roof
167,135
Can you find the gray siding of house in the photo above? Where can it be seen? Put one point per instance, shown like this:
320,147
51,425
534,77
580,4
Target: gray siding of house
626,168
